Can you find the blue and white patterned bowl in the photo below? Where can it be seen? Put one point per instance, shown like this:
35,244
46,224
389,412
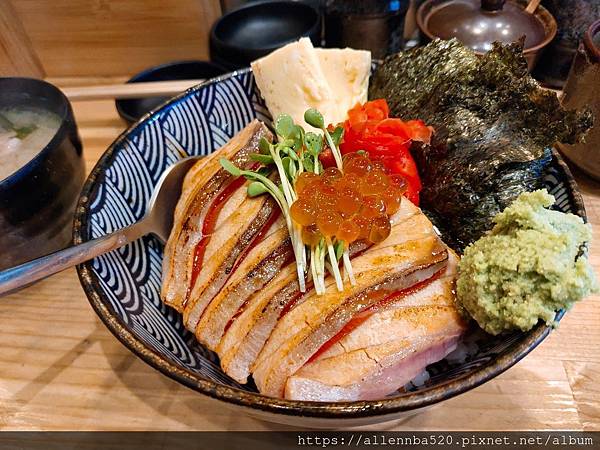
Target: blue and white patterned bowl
123,286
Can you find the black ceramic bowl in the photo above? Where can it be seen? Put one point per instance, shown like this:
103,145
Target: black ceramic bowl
132,109
255,30
38,200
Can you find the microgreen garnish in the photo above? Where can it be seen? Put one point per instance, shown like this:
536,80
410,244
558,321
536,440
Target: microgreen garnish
265,159
294,152
230,167
314,146
284,125
315,119
256,188
339,249
337,135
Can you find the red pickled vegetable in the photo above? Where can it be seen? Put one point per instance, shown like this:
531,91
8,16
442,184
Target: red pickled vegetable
386,140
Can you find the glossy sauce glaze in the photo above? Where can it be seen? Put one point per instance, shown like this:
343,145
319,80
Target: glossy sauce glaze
289,260
363,315
258,238
208,227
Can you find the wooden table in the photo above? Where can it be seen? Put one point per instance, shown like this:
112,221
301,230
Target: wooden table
60,368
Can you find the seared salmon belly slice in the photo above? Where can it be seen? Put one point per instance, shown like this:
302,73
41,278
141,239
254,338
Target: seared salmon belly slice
246,335
387,348
229,269
305,328
210,201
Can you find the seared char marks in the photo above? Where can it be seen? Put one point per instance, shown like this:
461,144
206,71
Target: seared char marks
366,364
247,334
368,311
318,319
202,184
255,270
228,244
208,227
281,257
229,268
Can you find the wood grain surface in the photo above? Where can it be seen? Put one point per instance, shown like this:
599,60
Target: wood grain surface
17,55
60,369
112,37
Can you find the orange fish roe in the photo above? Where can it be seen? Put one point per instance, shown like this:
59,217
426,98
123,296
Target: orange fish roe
356,204
311,235
304,180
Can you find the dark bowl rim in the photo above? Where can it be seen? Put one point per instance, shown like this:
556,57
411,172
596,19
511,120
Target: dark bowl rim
30,165
239,49
139,78
540,12
402,10
325,410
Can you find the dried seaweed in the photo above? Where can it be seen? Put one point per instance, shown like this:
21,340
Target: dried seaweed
494,127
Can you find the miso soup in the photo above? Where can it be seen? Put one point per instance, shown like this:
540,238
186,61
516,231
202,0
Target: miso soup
24,132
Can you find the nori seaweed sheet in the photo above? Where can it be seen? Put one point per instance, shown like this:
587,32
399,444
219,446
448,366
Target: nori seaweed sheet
494,127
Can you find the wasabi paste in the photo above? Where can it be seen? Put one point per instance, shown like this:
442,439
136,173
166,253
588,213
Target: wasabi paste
527,267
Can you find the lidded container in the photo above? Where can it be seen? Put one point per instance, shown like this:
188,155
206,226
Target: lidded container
582,90
479,23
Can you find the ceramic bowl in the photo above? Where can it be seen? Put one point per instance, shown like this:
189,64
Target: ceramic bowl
38,200
123,286
256,29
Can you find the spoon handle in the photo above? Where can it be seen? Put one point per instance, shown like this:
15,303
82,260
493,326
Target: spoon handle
532,6
32,271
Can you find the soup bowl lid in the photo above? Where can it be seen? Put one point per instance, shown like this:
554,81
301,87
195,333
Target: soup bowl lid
479,23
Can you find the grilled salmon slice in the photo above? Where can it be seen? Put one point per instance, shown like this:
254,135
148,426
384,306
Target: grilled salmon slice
260,266
226,245
202,184
371,373
244,339
388,349
316,320
247,333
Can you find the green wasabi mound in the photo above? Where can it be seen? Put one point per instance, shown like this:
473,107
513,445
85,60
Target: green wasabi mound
527,267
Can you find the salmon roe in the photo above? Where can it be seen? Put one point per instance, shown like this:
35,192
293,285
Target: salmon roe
350,205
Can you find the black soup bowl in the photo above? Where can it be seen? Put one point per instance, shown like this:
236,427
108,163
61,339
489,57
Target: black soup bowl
38,199
256,29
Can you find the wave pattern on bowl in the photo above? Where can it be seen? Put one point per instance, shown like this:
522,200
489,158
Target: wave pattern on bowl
127,280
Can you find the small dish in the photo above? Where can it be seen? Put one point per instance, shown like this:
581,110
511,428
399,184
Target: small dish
132,109
123,286
254,30
38,199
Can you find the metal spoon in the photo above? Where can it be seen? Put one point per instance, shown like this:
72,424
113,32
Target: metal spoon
158,220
